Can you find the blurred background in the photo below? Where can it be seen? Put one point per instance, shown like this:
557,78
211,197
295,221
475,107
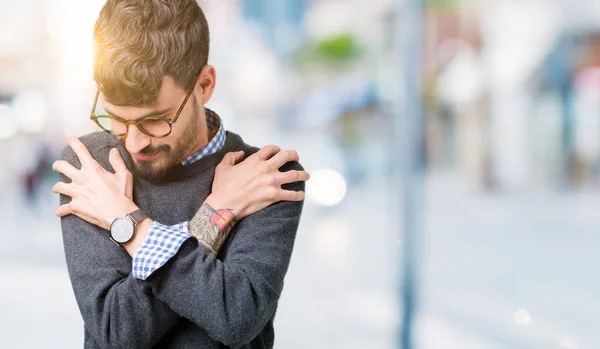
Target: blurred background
505,204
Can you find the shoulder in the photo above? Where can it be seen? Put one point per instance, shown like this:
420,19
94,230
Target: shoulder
289,166
239,144
97,143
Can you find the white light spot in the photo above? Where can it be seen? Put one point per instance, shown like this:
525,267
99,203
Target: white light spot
8,125
326,187
522,317
30,111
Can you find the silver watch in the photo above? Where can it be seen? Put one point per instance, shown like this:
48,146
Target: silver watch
122,230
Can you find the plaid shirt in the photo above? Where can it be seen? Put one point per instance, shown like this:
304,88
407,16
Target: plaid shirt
163,241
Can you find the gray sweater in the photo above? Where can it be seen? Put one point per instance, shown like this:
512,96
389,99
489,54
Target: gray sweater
196,300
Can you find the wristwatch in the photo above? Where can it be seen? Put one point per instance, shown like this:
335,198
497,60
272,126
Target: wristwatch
122,229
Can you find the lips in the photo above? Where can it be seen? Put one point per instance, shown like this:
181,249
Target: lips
145,157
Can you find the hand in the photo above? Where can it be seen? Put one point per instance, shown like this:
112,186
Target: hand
255,183
97,195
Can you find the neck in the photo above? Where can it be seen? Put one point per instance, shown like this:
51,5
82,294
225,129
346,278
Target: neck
204,136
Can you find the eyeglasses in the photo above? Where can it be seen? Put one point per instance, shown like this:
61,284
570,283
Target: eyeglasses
152,126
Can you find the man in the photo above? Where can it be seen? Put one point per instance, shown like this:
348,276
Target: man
193,256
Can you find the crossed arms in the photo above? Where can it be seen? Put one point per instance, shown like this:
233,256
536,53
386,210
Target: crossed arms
231,300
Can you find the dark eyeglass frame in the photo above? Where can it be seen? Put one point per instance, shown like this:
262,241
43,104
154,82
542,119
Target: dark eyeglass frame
138,122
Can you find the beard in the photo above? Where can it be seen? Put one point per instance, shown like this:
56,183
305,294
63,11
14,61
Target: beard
157,170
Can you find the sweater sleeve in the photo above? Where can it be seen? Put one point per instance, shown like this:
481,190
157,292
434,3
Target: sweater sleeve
119,311
233,299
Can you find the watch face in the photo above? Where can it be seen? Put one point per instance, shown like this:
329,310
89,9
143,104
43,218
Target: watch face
122,230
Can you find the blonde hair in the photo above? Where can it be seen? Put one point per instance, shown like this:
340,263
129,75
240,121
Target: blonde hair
139,42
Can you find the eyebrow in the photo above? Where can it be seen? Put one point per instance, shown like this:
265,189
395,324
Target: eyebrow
152,113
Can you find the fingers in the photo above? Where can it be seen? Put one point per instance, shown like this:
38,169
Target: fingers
65,168
116,161
291,177
69,209
290,195
232,158
64,210
82,152
65,189
239,156
283,157
118,164
267,152
129,187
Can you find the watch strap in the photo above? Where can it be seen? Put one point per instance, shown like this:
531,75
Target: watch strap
137,216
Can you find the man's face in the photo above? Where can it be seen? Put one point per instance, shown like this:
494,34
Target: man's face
153,157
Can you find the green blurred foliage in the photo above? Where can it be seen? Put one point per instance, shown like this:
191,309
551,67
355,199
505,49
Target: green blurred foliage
334,53
338,48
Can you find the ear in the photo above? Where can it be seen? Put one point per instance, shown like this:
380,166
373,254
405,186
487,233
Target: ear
206,82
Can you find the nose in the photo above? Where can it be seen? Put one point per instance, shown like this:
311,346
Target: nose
136,140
